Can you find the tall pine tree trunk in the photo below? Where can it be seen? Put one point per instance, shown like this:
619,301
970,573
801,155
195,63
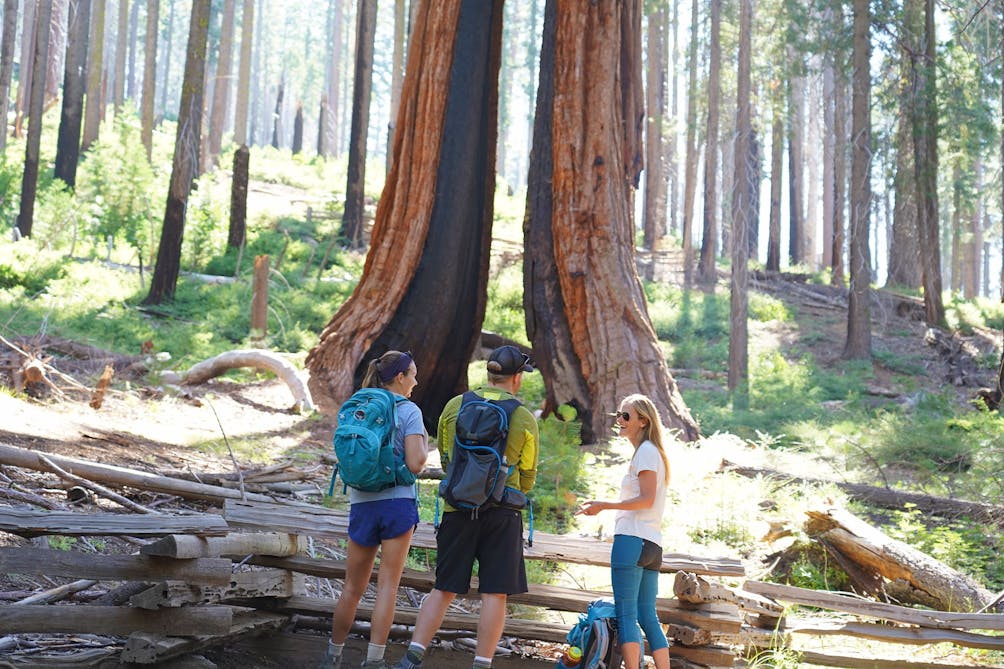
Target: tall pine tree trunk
837,273
743,213
149,75
71,115
432,233
95,63
25,73
29,178
184,168
690,168
796,137
353,218
7,64
925,138
706,271
579,269
859,329
776,176
244,75
121,47
655,169
221,86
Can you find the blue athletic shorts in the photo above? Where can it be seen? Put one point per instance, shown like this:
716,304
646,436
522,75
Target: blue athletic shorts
372,522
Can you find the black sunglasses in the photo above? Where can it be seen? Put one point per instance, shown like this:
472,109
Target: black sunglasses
622,414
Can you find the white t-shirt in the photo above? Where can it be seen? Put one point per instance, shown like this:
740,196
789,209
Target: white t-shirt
644,523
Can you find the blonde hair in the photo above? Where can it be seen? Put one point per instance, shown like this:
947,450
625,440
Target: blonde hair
654,430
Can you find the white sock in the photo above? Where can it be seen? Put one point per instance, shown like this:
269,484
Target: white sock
335,648
374,652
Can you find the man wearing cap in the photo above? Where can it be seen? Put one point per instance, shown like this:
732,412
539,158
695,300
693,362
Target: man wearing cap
495,536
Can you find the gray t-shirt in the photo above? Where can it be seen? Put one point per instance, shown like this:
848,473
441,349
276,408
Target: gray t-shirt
409,421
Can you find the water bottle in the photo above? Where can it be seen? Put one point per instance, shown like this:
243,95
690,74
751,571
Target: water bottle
570,658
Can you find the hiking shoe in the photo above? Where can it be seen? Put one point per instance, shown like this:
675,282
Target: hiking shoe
405,663
329,661
374,664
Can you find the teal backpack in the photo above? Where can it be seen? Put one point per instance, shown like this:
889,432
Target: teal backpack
596,635
364,443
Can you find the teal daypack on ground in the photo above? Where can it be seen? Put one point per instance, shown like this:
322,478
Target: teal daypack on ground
364,443
596,635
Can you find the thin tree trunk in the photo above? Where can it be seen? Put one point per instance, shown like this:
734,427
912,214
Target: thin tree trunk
56,65
706,271
221,87
796,212
95,61
690,168
25,73
185,166
396,76
839,178
166,59
29,179
974,247
334,72
655,170
133,40
149,75
71,115
277,114
354,214
121,46
447,135
672,157
244,75
859,329
742,215
955,230
578,230
829,144
239,198
297,146
7,65
776,175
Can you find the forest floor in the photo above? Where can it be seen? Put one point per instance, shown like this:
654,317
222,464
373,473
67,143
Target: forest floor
147,428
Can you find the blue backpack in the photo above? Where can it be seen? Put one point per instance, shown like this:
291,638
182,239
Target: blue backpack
596,635
364,443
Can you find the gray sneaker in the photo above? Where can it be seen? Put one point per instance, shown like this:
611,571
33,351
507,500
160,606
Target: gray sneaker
329,661
405,663
375,664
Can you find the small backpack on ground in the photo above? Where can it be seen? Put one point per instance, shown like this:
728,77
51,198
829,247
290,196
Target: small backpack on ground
596,635
477,471
364,443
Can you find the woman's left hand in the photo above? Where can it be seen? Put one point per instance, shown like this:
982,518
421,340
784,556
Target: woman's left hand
590,508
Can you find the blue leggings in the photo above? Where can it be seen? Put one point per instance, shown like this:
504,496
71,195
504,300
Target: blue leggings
635,590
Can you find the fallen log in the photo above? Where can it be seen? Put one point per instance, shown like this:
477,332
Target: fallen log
234,544
80,481
917,578
122,476
74,564
716,617
55,594
146,648
696,590
893,633
886,498
855,662
319,521
873,609
242,585
115,620
256,358
31,523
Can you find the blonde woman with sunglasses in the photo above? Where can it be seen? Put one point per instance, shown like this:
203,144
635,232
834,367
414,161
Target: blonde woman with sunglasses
636,556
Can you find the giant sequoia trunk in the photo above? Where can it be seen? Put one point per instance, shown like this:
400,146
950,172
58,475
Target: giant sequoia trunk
586,313
185,164
424,284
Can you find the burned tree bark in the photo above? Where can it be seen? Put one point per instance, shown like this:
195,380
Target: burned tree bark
423,287
586,313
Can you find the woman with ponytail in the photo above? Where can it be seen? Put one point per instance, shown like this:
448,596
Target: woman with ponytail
636,556
382,520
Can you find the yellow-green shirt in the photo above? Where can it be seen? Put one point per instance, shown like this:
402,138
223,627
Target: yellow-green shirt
521,446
